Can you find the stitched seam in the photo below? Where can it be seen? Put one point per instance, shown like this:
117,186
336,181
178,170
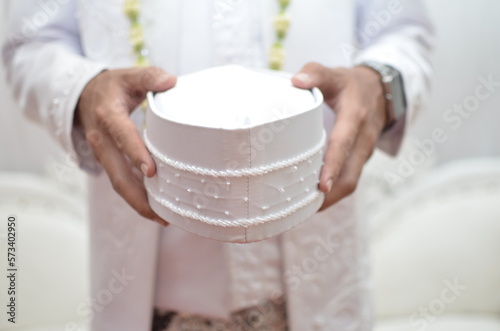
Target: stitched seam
248,178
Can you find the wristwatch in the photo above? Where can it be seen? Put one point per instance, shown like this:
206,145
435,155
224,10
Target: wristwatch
394,92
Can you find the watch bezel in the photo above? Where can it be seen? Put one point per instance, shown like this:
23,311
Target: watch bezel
394,93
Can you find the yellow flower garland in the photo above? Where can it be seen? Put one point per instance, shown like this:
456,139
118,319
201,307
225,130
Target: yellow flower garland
281,25
132,9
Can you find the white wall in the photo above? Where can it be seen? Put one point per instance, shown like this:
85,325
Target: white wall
468,47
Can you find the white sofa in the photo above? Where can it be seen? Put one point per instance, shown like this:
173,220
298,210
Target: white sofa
436,251
51,254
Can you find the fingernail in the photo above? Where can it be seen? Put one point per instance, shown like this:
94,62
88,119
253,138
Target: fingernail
160,221
163,78
303,77
144,169
329,185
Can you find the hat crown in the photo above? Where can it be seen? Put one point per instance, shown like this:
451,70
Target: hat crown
232,97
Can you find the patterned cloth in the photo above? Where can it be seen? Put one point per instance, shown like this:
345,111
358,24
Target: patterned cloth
267,316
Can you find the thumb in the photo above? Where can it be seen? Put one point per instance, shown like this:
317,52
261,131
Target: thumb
152,79
316,75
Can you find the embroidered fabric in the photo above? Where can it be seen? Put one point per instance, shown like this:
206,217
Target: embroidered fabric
236,33
270,315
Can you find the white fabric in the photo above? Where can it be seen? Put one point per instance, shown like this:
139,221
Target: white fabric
324,260
206,283
205,287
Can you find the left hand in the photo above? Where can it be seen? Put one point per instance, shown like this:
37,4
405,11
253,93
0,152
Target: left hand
357,97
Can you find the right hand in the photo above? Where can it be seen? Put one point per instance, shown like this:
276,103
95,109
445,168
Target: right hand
103,112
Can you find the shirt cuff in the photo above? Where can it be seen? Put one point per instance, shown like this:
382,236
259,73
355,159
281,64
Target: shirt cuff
391,140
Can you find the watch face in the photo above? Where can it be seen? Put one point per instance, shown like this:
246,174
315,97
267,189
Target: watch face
387,79
394,89
389,73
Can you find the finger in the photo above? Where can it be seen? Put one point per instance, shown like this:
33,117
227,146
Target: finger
128,139
142,80
342,138
353,166
123,131
123,179
345,128
316,75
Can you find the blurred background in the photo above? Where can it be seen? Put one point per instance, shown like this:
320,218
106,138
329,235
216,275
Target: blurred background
434,212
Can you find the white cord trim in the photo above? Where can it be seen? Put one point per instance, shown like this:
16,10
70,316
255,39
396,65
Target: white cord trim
239,222
237,172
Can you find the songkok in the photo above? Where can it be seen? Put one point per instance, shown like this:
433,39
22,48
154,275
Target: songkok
238,153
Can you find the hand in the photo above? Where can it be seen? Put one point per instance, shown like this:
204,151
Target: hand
357,97
103,112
